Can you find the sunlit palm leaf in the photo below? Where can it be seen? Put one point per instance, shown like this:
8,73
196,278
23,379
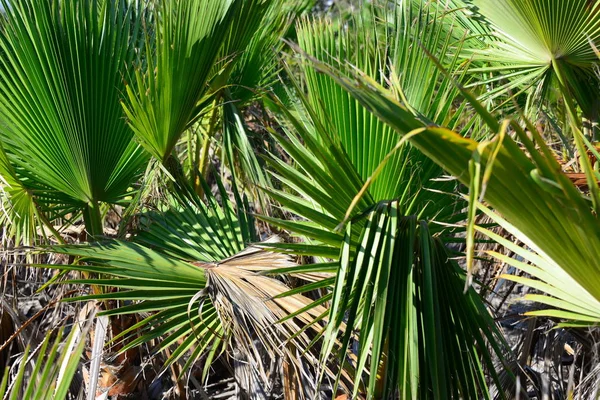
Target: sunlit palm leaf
530,192
55,364
186,42
369,43
18,212
364,138
538,43
62,74
344,143
563,297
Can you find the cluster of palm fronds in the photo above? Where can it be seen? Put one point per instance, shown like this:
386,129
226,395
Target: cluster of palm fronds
283,199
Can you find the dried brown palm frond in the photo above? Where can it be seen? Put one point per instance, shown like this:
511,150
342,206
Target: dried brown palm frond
254,315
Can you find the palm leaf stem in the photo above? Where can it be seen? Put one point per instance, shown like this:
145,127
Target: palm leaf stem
203,161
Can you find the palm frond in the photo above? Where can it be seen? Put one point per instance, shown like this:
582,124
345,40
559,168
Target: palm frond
369,43
546,207
417,334
562,296
166,95
540,45
337,149
62,69
203,290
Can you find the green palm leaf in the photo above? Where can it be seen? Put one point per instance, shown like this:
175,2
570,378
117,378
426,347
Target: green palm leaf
563,297
54,367
62,75
19,207
418,333
166,98
530,192
539,43
337,147
62,119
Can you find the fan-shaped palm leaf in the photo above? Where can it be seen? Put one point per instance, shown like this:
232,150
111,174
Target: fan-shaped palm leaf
418,333
62,72
563,297
537,44
338,148
201,288
187,38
